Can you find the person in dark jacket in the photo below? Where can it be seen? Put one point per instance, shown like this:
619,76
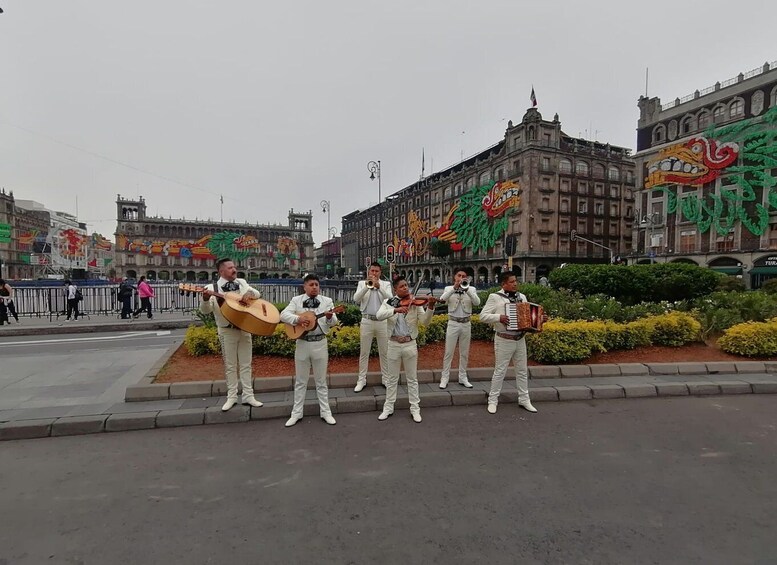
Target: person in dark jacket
126,290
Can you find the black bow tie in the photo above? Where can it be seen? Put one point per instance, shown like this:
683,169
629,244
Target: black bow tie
230,286
311,303
512,296
459,291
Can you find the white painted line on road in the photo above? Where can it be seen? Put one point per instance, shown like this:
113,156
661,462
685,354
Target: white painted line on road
81,339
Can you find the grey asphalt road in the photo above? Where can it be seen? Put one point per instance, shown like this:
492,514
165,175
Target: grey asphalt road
41,372
688,480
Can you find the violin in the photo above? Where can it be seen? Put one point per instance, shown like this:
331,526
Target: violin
411,300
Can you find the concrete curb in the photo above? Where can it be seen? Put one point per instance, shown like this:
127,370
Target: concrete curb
148,390
590,389
79,328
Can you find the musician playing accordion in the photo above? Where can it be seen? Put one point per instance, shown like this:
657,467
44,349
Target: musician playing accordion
509,345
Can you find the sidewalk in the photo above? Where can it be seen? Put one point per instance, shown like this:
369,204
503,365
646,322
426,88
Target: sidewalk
190,404
96,323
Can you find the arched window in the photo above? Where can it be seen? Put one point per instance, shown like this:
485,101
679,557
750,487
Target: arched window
447,192
565,166
704,119
737,108
718,113
485,178
598,171
613,174
581,168
687,125
773,97
659,133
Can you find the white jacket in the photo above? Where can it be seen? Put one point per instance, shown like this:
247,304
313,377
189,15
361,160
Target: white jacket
295,307
212,305
362,295
495,307
467,300
415,315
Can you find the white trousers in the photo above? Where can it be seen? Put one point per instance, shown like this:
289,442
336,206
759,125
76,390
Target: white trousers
236,351
315,355
402,354
506,350
369,330
456,332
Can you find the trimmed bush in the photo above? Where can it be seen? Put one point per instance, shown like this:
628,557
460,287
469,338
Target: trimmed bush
729,283
566,342
275,344
770,286
751,339
202,340
673,329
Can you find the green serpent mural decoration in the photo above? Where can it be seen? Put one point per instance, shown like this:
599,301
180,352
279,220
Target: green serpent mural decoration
745,152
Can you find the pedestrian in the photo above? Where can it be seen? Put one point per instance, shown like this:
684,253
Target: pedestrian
508,345
544,282
460,297
311,350
7,296
145,293
235,343
126,290
369,295
403,319
71,294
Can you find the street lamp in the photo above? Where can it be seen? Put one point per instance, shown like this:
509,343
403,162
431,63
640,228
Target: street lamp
374,168
573,236
652,220
327,209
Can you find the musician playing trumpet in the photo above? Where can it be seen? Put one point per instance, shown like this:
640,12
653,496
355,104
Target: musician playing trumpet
460,297
370,294
508,345
236,346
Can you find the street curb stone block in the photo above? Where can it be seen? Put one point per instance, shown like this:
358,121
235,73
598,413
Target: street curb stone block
607,391
750,367
572,392
511,395
541,394
351,404
468,397
718,367
311,407
633,369
401,403
130,421
272,410
476,374
734,387
662,368
764,387
196,389
431,399
771,366
185,417
423,375
605,370
691,368
347,380
575,371
219,388
26,429
273,384
373,379
78,425
639,390
702,388
155,391
214,415
544,372
672,389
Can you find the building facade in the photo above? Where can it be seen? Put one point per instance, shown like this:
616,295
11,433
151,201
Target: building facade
329,258
707,174
180,249
518,202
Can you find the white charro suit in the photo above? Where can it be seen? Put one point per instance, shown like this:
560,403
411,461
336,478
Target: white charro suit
403,353
459,331
313,353
370,329
506,349
235,343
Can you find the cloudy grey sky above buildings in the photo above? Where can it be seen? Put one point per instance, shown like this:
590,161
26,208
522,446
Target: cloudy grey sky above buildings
280,105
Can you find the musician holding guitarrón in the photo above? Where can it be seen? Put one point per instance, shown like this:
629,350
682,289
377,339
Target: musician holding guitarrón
508,345
311,350
235,343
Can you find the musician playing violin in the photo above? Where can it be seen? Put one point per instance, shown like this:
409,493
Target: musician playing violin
236,347
404,312
508,345
369,295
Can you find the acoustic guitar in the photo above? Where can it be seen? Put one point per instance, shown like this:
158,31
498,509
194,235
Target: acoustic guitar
298,331
259,317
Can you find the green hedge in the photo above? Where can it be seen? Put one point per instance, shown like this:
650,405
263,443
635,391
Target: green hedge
638,283
751,339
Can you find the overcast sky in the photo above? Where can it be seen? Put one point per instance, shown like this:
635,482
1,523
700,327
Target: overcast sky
278,105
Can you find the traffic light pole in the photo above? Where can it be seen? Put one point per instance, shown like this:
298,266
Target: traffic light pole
573,236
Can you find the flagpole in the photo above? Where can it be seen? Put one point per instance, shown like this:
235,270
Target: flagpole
222,208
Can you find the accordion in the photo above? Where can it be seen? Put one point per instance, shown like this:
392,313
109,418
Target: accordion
524,317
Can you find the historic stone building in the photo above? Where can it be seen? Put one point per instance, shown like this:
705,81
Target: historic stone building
707,174
179,249
520,199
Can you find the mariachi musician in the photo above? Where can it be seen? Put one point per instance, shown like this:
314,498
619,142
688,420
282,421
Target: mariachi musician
460,298
370,294
508,345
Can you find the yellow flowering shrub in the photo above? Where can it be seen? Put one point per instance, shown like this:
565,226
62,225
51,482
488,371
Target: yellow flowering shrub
751,339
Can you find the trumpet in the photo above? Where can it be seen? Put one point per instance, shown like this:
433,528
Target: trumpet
370,283
464,285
